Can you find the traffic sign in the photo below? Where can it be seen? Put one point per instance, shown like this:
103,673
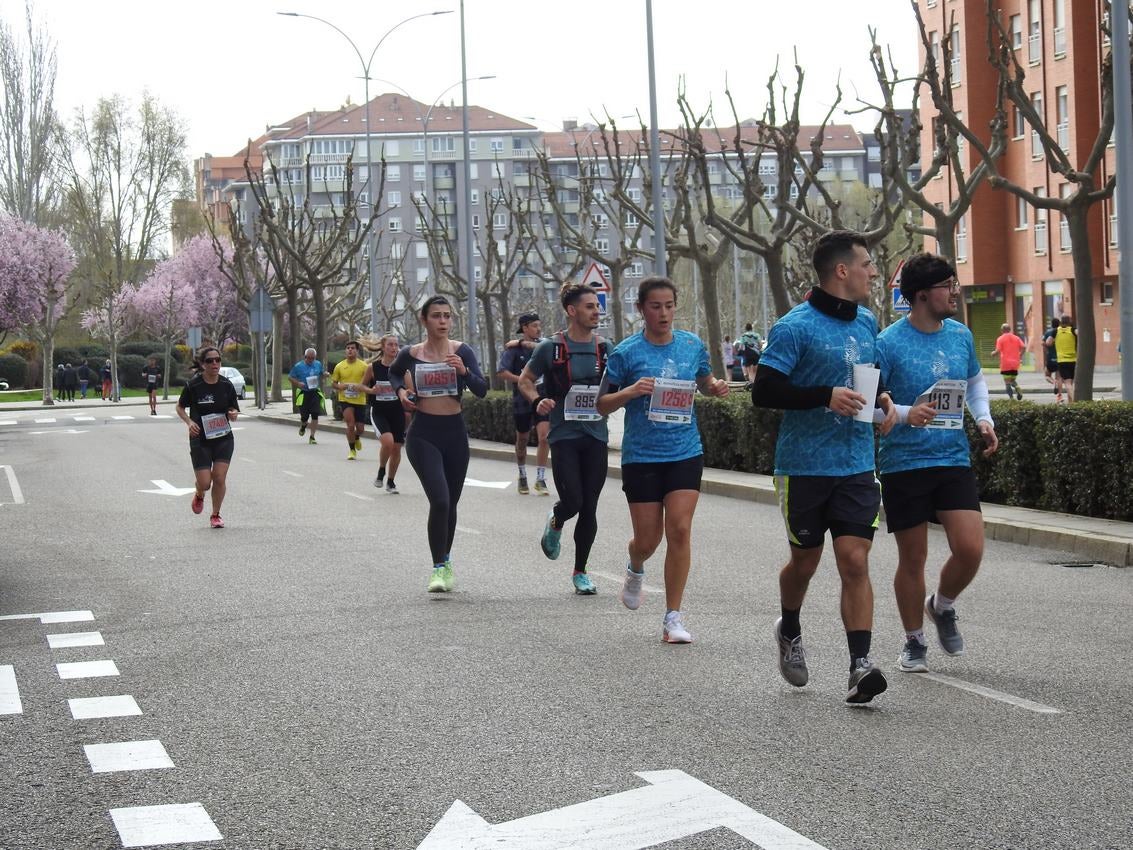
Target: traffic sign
594,277
602,304
260,310
900,305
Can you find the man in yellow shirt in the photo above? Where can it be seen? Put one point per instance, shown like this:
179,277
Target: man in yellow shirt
1066,352
347,381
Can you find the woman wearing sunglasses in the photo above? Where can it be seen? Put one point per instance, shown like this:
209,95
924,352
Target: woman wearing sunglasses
208,405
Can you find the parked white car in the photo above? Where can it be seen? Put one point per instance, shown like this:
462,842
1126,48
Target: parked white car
233,374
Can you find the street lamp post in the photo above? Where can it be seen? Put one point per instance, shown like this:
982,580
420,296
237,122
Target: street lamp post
368,185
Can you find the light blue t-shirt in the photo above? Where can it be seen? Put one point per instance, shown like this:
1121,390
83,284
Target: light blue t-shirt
814,349
912,361
301,371
685,359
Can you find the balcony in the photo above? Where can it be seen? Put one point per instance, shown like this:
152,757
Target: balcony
1034,49
328,158
1040,237
1059,42
1113,231
443,183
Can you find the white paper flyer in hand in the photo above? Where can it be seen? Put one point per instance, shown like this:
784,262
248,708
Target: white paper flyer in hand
949,399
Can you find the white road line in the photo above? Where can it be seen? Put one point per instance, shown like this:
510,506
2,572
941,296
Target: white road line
144,826
618,579
61,641
468,530
164,416
9,691
83,418
122,417
53,617
127,755
13,485
357,496
86,669
991,693
9,422
292,474
93,708
247,459
46,421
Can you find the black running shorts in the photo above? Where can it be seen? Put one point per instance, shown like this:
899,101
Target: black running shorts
1066,371
389,418
652,482
814,504
914,496
361,412
204,453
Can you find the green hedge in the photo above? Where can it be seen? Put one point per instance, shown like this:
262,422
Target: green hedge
14,370
1073,459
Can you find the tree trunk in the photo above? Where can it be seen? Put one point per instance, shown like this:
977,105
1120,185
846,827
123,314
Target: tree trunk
777,282
165,371
277,356
709,293
614,306
1076,217
48,348
320,319
115,387
489,369
297,344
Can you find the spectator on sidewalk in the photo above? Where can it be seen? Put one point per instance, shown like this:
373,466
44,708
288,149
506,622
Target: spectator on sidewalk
84,373
106,381
70,382
1010,349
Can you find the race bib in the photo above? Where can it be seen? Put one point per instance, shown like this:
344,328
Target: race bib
949,399
151,379
672,401
215,425
312,382
384,391
350,392
435,379
581,404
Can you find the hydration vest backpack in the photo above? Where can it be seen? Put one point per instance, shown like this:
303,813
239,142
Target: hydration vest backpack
558,380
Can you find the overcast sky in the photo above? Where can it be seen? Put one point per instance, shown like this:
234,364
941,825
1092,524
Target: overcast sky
231,67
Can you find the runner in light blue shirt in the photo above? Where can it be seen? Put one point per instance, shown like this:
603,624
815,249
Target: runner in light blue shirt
655,375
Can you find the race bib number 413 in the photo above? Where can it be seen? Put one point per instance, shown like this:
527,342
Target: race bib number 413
672,401
948,398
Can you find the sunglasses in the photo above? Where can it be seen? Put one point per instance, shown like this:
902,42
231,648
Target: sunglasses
211,360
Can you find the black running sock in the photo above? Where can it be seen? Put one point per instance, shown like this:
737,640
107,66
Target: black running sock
381,472
790,627
859,642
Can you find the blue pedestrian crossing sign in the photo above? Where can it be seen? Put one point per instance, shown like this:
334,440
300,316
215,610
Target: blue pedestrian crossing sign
900,304
602,304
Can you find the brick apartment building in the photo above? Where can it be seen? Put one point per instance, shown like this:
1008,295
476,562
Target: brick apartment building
1014,261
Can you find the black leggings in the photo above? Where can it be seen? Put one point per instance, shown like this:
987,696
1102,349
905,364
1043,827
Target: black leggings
579,466
437,448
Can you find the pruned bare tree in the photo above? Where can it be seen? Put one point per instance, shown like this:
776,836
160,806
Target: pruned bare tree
29,128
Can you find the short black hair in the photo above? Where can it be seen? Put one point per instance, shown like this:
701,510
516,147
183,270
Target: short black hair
654,282
834,247
571,292
1054,323
922,271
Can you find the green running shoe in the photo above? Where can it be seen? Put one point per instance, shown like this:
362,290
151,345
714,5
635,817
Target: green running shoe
437,581
552,537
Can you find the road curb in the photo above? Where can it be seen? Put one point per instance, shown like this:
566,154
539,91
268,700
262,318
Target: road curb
1104,541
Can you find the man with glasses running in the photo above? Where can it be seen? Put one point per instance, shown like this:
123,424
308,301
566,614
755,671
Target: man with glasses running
571,364
928,362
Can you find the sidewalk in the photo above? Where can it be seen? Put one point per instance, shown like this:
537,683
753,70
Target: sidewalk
1087,538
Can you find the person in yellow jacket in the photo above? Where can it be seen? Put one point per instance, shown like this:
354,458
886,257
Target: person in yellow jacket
1066,353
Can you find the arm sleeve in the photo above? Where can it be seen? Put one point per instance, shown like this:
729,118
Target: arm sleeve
398,368
612,375
774,389
978,400
474,380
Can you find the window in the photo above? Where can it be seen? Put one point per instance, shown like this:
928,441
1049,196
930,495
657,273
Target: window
496,145
634,195
601,220
934,47
1022,211
395,251
291,150
499,171
713,167
423,274
474,170
1105,292
472,146
1059,28
954,60
516,143
962,240
501,248
477,273
394,225
631,220
421,250
444,144
499,220
1064,244
475,197
770,168
418,197
1062,113
1015,27
392,148
1018,123
1036,139
393,173
419,146
873,153
602,246
635,270
1034,31
476,221
419,224
329,147
1040,223
394,199
598,196
419,173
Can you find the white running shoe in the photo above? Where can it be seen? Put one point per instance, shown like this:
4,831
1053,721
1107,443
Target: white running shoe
632,589
674,630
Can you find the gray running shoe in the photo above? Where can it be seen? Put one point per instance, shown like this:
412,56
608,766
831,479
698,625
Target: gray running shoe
866,682
631,592
912,658
951,641
521,487
792,657
391,488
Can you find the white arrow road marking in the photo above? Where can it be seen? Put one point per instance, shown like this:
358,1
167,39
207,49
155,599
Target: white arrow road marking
13,485
673,806
127,755
9,691
494,485
53,617
164,488
60,431
144,826
991,693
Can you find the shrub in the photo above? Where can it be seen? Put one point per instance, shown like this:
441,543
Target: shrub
144,348
67,355
24,348
130,371
14,370
94,352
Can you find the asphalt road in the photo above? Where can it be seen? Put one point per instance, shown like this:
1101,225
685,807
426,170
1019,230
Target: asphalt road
308,693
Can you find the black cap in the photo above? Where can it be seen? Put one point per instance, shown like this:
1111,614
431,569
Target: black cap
526,319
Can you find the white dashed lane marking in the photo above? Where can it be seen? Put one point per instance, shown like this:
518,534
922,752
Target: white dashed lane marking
357,496
127,755
52,617
292,474
991,693
143,826
62,641
10,702
122,417
46,421
83,418
86,669
93,708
